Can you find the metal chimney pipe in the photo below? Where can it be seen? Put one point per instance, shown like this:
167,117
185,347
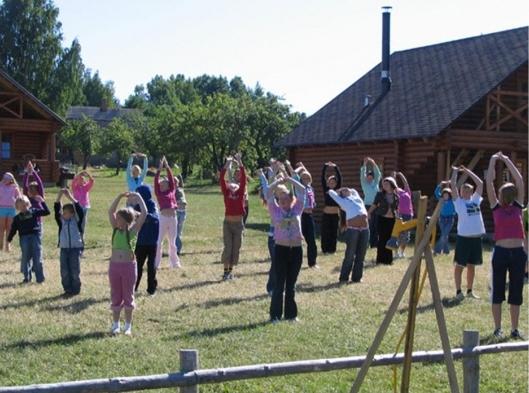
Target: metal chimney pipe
384,74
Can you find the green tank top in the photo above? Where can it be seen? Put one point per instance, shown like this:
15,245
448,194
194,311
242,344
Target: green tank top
123,240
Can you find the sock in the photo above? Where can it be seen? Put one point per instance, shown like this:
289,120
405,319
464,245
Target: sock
469,291
458,291
226,270
115,325
230,269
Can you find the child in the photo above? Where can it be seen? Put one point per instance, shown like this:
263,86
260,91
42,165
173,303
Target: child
32,188
69,218
165,193
147,243
28,225
447,217
181,204
470,229
9,193
370,176
405,211
233,225
509,255
288,254
126,224
135,175
82,183
331,212
356,235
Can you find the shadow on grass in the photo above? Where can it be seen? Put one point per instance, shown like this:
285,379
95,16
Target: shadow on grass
78,306
31,303
64,341
491,339
191,285
7,285
260,226
200,252
308,288
448,302
230,301
222,330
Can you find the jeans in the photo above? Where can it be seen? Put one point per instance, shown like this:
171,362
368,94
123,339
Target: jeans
445,226
287,266
181,217
356,242
31,258
148,253
272,272
70,270
307,228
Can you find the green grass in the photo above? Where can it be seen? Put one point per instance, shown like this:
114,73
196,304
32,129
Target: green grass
45,338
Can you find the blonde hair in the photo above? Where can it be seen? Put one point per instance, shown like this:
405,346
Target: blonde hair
507,194
307,174
22,199
127,214
137,167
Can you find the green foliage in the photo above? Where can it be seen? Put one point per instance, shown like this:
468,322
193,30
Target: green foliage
96,92
117,138
83,136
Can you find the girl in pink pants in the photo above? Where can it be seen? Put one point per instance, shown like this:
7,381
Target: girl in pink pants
165,190
126,223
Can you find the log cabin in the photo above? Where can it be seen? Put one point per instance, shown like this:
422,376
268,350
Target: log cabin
28,130
447,104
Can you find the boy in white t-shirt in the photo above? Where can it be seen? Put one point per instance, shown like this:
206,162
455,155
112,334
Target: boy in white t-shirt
470,229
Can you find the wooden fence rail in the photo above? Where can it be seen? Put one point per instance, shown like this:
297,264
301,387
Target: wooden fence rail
190,379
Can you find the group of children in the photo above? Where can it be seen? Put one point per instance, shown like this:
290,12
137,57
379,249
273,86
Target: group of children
139,228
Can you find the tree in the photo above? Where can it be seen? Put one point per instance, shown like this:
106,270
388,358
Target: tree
118,139
30,37
98,93
82,136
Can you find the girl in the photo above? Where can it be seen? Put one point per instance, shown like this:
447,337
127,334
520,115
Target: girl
181,204
233,215
9,192
32,188
509,255
165,193
122,269
331,211
470,229
29,228
356,234
135,175
370,176
447,217
405,211
82,183
286,217
385,207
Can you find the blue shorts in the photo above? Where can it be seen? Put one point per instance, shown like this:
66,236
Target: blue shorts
8,212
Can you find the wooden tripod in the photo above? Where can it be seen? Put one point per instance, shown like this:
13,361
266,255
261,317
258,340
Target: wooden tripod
412,275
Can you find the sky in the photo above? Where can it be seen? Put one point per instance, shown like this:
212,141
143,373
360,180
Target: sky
305,51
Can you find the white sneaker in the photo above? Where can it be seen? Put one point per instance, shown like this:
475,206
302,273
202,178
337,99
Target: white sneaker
128,329
115,328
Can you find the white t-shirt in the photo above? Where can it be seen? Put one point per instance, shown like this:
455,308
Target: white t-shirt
353,205
469,218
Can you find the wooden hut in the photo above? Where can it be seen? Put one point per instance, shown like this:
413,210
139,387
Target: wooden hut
452,103
28,130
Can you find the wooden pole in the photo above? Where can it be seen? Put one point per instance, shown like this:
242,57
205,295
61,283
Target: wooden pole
188,363
396,300
441,323
414,299
470,364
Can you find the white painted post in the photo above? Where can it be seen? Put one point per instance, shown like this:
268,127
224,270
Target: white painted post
188,362
470,364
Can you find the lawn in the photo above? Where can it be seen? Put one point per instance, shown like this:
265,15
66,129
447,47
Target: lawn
47,338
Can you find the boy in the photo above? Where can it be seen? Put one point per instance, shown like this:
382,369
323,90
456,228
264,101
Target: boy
27,223
69,218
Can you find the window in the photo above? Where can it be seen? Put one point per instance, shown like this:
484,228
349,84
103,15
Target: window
6,147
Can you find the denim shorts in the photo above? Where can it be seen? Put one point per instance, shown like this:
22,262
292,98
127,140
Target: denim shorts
8,212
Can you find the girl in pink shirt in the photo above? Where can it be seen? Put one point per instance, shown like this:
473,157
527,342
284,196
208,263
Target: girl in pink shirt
82,183
404,211
9,192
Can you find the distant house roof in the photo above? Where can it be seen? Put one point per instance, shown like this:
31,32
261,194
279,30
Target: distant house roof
101,117
30,97
431,87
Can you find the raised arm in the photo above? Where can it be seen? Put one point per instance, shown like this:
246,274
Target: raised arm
57,208
289,168
25,182
143,212
263,182
376,171
334,195
157,177
272,187
44,211
40,186
242,184
438,192
78,209
129,167
338,176
491,175
404,181
476,179
516,177
145,167
453,183
324,177
170,177
298,187
113,208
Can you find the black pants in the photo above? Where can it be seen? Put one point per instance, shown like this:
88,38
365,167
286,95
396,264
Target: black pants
287,262
307,228
384,228
329,232
373,235
246,212
146,253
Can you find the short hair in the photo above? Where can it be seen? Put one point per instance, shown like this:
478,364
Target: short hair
370,173
306,173
68,207
136,167
23,199
128,214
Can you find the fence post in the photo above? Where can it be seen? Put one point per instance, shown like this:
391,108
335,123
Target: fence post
470,364
188,362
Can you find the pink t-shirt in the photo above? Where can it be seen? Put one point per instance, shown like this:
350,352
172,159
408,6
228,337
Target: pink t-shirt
81,192
287,225
8,195
508,222
405,203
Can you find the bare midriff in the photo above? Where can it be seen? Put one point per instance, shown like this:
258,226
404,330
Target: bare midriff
168,212
510,243
233,218
122,256
358,222
291,243
331,210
